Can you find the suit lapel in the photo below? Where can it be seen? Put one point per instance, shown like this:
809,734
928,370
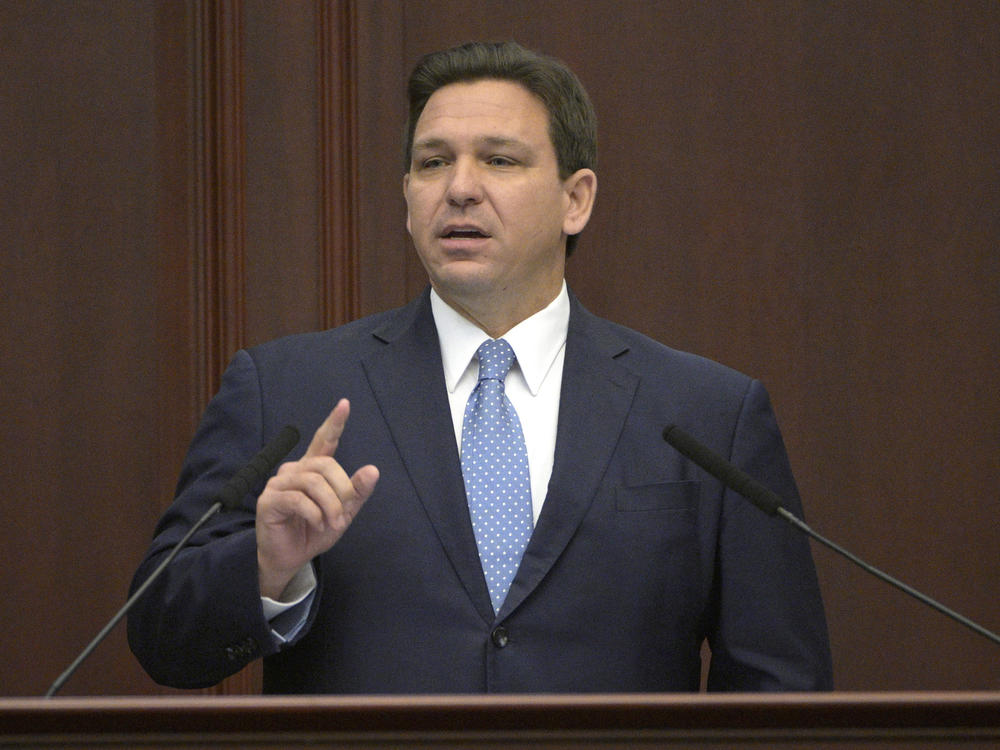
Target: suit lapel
407,378
594,402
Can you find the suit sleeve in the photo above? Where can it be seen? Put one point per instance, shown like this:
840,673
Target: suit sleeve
203,619
769,631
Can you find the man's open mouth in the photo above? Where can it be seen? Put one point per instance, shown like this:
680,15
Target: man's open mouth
464,234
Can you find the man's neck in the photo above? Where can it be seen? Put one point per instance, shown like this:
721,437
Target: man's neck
493,316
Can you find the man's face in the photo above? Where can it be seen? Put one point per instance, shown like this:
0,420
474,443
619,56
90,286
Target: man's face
486,208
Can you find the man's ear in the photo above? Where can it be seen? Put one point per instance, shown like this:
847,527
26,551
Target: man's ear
406,197
581,190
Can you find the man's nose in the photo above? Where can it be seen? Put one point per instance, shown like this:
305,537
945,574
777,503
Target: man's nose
466,185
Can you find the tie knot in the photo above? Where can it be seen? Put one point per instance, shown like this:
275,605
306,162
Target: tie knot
495,359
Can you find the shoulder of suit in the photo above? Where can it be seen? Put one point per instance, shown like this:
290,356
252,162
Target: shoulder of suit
353,337
651,358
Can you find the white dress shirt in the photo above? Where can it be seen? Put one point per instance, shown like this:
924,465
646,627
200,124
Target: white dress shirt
532,385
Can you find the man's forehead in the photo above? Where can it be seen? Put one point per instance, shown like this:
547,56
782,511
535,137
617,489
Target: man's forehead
490,96
472,86
485,109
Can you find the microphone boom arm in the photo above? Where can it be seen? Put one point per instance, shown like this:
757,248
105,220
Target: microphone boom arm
769,502
228,498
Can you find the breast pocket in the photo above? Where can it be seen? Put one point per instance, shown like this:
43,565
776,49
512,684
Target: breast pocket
661,496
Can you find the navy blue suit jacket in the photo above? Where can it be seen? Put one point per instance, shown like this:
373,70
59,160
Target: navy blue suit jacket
637,557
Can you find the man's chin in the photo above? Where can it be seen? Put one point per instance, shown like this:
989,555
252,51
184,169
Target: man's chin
463,278
470,287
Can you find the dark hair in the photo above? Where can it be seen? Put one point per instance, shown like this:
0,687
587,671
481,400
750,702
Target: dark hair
572,121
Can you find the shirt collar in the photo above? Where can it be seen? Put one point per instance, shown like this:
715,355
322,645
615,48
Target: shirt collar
536,341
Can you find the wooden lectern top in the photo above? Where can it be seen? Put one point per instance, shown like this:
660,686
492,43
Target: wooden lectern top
830,720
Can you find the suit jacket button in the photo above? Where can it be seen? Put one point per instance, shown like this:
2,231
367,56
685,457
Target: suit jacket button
500,637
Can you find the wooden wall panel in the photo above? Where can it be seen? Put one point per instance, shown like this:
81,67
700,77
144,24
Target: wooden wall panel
284,286
337,42
95,358
302,153
220,187
389,270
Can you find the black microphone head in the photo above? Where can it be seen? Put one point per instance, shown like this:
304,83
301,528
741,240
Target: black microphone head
734,478
259,467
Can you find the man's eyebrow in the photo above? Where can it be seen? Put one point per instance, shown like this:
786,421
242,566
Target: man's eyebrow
494,141
501,142
429,143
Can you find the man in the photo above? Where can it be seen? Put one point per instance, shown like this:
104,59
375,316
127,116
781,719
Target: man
376,562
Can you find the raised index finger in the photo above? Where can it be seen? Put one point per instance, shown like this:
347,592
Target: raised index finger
327,436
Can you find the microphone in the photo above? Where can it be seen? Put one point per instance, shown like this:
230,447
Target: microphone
228,499
721,469
771,503
260,467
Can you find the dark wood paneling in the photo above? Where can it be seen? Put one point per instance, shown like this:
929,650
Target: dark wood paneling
220,175
337,88
96,362
284,284
389,269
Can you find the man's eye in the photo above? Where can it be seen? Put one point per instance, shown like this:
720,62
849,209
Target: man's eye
432,163
500,161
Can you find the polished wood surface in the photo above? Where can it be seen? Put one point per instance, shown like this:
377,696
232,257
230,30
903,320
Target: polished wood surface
893,720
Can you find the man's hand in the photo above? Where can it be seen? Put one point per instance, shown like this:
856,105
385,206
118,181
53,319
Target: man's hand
308,505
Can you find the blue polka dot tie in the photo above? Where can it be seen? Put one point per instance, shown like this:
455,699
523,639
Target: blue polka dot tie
495,469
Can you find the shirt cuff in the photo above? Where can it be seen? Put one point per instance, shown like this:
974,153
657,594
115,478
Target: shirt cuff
287,616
